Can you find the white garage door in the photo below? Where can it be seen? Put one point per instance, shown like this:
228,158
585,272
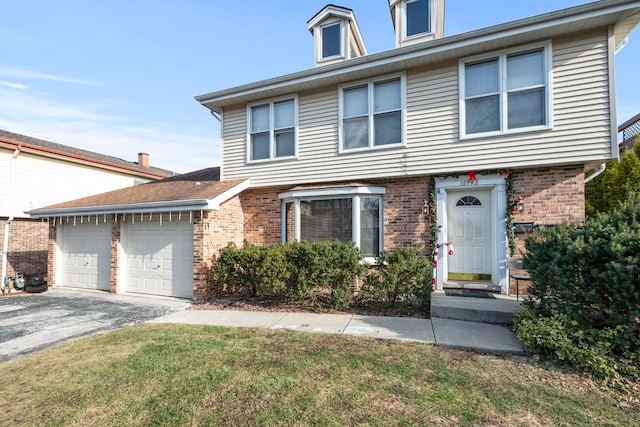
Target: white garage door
159,258
86,256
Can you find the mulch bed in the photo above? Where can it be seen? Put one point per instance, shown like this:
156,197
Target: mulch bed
251,304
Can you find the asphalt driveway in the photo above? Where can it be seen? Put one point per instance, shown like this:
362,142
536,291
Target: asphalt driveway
32,322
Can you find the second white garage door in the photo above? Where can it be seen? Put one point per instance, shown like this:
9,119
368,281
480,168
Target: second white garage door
159,258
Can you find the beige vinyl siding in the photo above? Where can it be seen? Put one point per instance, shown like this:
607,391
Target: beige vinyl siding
580,132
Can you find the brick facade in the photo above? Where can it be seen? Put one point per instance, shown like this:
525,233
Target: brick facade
27,248
549,196
210,234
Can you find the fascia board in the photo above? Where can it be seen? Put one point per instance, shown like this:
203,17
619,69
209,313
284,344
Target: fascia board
232,192
332,191
153,207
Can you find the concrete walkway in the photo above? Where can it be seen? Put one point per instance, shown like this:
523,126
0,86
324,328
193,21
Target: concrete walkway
442,332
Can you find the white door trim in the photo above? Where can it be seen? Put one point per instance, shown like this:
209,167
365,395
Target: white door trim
497,185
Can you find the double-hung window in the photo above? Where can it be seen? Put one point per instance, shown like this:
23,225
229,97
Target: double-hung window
272,130
372,114
504,93
342,214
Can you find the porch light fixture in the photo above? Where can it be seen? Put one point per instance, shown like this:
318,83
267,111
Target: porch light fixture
520,205
425,208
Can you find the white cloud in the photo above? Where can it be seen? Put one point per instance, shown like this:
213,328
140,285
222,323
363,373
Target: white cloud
14,85
22,73
87,126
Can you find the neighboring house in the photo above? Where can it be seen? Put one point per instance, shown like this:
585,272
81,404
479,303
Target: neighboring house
442,139
35,173
630,131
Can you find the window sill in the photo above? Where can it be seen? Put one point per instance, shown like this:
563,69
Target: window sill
510,132
375,148
274,160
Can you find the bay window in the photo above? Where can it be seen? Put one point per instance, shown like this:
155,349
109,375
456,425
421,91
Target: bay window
505,92
342,214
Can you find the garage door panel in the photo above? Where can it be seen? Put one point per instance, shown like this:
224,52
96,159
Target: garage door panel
160,258
86,256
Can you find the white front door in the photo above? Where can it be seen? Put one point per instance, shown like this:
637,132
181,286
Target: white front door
86,255
159,258
471,232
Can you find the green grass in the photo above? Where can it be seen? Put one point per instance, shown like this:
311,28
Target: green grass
195,375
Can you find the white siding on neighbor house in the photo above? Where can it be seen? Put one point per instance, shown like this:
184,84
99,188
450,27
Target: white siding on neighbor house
40,181
580,132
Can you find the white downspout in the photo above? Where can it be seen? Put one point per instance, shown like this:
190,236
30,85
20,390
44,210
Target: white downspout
5,245
597,171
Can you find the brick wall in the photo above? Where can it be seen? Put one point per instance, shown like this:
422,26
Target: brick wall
116,245
262,215
210,234
27,248
549,196
404,223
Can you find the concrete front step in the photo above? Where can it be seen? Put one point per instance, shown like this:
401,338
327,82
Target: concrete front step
480,286
498,310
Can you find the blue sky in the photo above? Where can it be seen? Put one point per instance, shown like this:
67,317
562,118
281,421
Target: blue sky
119,76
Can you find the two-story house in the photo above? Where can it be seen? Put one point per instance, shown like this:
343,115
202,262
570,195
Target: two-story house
441,139
35,172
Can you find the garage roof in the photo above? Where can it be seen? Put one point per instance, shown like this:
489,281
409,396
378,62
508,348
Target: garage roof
199,190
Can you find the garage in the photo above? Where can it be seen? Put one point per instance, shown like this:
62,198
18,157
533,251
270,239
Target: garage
86,255
159,258
164,234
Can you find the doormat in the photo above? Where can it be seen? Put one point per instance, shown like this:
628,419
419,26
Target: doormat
473,293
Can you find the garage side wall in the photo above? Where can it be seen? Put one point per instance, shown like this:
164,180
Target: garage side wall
212,233
27,248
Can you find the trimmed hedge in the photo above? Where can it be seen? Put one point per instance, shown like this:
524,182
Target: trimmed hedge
584,304
400,274
314,274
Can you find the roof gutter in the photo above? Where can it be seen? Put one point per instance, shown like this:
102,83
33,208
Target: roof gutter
5,243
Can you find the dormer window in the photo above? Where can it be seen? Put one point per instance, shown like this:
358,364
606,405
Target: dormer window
332,40
417,19
336,35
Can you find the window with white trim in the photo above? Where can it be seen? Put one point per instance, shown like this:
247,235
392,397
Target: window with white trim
372,114
337,214
417,17
331,40
506,92
272,129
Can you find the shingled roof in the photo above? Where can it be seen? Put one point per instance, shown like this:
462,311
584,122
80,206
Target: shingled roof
199,190
76,155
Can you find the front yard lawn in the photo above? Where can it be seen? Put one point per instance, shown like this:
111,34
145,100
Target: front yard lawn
199,375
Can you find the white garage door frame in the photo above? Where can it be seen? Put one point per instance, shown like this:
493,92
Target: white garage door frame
157,258
84,256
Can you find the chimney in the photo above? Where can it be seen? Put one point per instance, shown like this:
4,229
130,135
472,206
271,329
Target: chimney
143,160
